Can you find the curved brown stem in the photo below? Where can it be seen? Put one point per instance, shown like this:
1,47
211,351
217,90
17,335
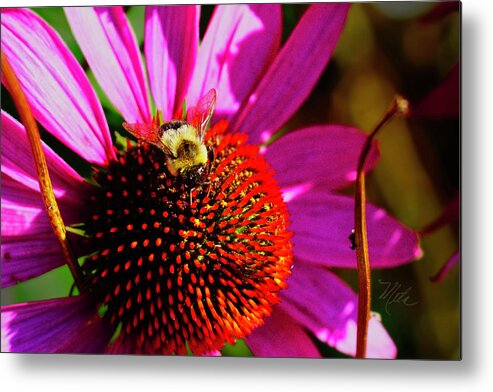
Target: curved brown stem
44,180
398,106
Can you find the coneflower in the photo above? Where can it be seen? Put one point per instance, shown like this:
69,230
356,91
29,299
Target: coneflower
168,267
175,265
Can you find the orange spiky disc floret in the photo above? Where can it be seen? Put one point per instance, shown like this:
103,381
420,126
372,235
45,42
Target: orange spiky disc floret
178,267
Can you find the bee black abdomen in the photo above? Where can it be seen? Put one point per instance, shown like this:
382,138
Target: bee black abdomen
173,124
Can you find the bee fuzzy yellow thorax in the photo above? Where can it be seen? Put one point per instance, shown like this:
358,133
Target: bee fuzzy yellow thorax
186,149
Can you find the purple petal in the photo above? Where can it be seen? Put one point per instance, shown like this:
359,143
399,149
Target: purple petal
62,325
61,97
321,155
29,257
110,47
294,73
240,43
170,45
18,163
322,222
327,306
281,336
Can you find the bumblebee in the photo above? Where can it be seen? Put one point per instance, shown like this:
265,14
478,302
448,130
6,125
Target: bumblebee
187,157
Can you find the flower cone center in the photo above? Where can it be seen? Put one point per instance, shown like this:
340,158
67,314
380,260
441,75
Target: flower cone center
179,267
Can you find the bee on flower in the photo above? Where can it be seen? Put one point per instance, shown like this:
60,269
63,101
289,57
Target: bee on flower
194,236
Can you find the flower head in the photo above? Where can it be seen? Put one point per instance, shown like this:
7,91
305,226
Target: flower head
169,266
175,265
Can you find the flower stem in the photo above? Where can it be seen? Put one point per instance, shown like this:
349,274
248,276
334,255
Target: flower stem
399,106
44,180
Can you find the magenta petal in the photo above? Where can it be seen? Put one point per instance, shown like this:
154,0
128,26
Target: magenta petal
62,325
23,210
294,73
322,222
109,45
61,97
29,247
18,163
170,45
240,43
327,306
321,155
281,336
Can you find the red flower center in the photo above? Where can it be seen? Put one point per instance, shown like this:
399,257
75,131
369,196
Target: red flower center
177,267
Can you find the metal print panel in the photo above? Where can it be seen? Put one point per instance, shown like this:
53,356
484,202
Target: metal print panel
272,180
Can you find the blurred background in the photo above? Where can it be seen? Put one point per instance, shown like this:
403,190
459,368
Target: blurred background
407,48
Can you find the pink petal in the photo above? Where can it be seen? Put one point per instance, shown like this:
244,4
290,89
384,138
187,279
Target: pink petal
321,155
294,73
110,47
327,306
18,163
23,210
62,325
322,222
29,247
61,97
281,336
240,43
170,45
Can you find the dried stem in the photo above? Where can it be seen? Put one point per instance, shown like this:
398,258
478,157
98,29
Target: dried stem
45,185
398,106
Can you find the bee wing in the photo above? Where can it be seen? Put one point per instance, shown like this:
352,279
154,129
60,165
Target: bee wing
147,132
200,115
